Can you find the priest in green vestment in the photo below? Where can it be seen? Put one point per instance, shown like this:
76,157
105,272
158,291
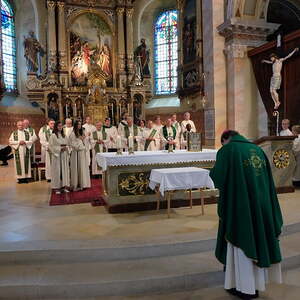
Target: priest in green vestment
250,219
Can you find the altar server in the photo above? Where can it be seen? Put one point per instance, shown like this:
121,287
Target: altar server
80,175
141,139
187,120
112,133
88,129
177,126
250,217
130,130
285,124
168,135
44,140
60,159
68,128
184,136
152,138
157,123
21,143
41,133
99,142
33,136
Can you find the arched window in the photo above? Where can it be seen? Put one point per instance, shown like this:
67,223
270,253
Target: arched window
165,53
8,38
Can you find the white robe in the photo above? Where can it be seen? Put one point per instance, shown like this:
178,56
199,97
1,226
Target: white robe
285,132
164,142
243,275
34,139
96,170
185,122
154,145
43,150
88,130
296,151
141,139
80,175
60,162
122,133
112,134
68,131
22,151
45,144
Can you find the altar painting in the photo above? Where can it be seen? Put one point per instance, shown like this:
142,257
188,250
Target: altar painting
90,43
189,31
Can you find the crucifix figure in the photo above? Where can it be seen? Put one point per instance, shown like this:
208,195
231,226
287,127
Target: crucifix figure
276,77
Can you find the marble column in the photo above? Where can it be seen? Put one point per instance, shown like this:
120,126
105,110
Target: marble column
129,38
62,36
242,92
121,38
52,50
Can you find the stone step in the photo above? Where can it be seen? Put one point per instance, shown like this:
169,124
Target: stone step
101,250
126,277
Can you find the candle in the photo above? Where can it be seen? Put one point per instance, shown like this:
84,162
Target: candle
66,110
75,110
83,111
119,142
130,142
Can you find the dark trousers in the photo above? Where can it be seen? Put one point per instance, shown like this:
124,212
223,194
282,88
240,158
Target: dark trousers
4,154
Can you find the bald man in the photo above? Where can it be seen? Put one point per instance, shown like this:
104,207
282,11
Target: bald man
21,142
31,131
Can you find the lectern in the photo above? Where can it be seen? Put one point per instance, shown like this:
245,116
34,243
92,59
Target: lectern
279,152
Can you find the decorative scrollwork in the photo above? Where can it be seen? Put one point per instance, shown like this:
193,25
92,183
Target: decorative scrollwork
281,159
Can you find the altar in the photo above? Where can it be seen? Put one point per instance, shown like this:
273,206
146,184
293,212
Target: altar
126,177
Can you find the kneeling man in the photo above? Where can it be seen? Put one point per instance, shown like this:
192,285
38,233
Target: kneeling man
250,217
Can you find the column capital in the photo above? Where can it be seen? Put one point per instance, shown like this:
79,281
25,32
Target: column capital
250,33
120,11
61,5
236,51
51,5
129,12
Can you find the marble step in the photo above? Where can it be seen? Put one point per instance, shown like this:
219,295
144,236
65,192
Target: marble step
88,251
127,277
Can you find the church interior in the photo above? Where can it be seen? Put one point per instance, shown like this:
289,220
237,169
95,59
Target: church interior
124,89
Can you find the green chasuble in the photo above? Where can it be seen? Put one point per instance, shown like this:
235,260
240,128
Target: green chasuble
248,207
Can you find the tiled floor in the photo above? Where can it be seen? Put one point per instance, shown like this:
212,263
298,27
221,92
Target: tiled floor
26,216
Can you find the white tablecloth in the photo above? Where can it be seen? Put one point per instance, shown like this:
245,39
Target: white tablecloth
105,160
172,179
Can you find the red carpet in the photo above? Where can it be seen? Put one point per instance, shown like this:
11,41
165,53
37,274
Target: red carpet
92,195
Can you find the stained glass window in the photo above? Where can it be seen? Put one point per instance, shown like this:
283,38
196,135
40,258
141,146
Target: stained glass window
165,53
8,46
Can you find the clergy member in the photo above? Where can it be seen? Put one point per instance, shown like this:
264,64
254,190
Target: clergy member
80,175
129,130
44,140
99,142
33,136
41,133
285,124
152,138
250,217
112,133
296,151
184,137
20,141
157,123
168,135
177,126
88,129
60,159
141,139
187,120
123,122
68,128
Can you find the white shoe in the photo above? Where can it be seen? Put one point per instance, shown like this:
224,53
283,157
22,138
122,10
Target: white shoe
57,192
66,191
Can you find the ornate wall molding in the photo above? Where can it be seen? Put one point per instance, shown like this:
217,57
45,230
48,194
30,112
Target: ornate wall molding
236,51
129,12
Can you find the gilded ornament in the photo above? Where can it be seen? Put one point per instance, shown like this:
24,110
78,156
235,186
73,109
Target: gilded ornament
281,159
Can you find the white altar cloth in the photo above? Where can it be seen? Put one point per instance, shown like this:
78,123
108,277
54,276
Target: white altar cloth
106,160
172,179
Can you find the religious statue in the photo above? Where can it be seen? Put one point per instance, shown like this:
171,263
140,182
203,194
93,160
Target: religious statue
68,109
32,48
141,59
275,82
53,111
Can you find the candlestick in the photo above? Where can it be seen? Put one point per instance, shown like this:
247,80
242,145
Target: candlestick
66,110
130,144
119,145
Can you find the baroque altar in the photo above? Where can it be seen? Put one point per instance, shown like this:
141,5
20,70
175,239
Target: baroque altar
90,69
